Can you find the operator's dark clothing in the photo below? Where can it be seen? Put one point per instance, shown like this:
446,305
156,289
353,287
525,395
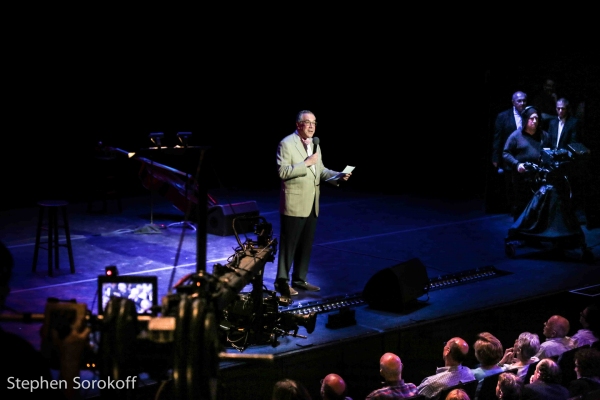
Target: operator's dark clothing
521,147
22,362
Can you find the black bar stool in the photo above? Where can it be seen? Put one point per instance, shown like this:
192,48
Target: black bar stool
52,225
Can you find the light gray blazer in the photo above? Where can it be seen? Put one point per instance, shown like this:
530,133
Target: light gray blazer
300,186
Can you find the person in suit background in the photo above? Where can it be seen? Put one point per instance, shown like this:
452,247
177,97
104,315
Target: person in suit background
499,183
506,123
545,99
301,170
565,128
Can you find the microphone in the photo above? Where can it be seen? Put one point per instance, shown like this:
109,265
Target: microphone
315,144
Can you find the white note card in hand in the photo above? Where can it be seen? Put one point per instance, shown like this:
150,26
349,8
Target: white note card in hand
346,170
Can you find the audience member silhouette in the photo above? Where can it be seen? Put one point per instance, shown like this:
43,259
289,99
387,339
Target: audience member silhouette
34,366
454,354
509,387
522,146
545,383
289,389
522,354
390,368
457,394
557,341
333,387
589,319
587,367
488,351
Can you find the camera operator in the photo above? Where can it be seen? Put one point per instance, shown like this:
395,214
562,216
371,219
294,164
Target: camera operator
523,146
22,363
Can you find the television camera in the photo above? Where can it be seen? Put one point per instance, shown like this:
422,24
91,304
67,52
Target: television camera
182,340
555,165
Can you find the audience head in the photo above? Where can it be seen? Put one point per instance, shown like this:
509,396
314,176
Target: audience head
289,389
509,386
547,370
519,101
527,345
590,319
333,387
455,351
7,263
587,363
390,367
457,394
556,327
488,349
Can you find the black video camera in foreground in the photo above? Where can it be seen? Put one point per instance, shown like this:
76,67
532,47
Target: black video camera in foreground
181,340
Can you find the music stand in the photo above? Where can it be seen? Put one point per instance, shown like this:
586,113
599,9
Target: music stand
152,228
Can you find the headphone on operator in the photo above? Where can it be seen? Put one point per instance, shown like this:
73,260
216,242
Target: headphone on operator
526,109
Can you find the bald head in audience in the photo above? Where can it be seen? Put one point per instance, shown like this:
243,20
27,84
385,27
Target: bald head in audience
556,327
455,351
333,387
390,367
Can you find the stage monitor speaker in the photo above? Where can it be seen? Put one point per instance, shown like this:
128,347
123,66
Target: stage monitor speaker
220,218
396,288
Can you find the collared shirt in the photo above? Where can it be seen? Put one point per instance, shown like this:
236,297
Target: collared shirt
444,378
308,148
553,347
583,337
561,125
400,390
518,119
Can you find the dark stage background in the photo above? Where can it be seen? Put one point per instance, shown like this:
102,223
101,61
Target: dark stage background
409,125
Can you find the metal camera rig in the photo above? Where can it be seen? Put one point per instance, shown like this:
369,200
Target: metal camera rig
207,313
182,342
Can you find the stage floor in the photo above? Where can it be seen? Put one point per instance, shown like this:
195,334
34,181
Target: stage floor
359,234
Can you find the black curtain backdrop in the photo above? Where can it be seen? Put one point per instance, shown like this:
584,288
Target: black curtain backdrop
409,126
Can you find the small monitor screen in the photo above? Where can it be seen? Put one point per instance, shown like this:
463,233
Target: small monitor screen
141,289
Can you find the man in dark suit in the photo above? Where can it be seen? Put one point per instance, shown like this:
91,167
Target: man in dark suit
301,171
499,186
564,129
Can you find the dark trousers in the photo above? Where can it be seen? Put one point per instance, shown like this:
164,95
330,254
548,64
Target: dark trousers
295,246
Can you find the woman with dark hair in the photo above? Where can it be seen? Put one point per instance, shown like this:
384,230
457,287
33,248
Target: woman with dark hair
509,386
289,389
545,383
523,146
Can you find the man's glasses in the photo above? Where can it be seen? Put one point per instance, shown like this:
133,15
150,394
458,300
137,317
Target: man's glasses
309,123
